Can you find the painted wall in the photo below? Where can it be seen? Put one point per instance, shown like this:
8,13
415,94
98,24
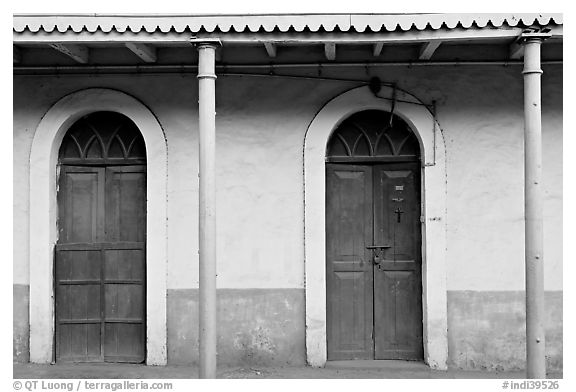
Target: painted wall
487,330
261,124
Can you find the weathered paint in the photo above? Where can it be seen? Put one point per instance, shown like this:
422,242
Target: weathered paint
433,174
488,330
255,326
261,123
259,142
20,323
43,212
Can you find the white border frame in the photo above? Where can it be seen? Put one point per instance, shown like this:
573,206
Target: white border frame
434,300
43,215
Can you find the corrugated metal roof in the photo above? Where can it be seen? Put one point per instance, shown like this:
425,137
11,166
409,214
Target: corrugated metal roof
268,23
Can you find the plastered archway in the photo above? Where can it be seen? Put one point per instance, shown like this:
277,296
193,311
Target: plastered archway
434,300
43,214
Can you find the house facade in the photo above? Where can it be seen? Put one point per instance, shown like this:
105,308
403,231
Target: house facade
369,188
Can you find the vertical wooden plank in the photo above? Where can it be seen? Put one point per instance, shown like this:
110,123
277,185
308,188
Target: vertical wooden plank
77,271
124,271
102,308
397,281
348,264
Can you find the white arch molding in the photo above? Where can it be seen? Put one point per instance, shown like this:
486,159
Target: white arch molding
43,215
432,149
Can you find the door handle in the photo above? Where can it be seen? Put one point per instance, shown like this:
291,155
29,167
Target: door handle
372,247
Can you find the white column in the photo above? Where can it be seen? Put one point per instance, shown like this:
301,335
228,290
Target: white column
207,129
533,192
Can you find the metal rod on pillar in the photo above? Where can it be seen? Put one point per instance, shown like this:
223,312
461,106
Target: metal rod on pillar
207,223
534,234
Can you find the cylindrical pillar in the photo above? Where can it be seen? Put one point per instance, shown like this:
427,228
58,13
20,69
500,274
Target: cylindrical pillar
534,234
207,223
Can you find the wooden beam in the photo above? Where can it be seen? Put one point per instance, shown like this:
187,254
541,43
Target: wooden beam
428,50
270,49
377,49
78,53
146,53
17,54
181,39
516,51
330,51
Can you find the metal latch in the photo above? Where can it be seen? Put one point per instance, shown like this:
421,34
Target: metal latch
378,253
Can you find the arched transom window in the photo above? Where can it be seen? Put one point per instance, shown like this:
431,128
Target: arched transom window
106,138
373,135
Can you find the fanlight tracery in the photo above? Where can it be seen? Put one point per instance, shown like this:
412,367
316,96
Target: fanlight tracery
103,137
372,135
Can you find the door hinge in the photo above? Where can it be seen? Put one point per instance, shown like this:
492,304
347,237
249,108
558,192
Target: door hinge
421,218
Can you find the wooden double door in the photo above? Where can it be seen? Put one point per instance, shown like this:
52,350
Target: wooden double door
100,264
373,266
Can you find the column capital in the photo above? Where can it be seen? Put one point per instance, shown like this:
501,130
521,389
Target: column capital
531,39
202,42
534,35
207,57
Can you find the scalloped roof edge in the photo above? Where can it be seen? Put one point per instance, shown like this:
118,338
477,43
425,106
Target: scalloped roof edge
280,22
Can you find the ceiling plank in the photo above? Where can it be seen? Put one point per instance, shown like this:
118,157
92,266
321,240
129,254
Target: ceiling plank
78,53
427,50
145,52
516,51
17,54
270,49
330,51
377,49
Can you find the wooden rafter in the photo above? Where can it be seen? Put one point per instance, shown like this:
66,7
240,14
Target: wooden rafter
145,52
330,51
516,51
428,49
377,49
270,49
78,53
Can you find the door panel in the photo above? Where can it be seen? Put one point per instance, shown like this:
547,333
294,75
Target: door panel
100,264
373,312
397,279
82,196
125,203
80,342
124,272
124,342
349,271
78,269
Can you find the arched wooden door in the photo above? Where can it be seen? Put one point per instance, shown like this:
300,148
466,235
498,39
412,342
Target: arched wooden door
100,263
373,240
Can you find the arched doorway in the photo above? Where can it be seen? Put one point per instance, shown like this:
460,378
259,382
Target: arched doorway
373,239
100,258
433,216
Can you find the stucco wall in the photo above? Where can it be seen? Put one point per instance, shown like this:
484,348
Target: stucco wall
261,124
488,329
